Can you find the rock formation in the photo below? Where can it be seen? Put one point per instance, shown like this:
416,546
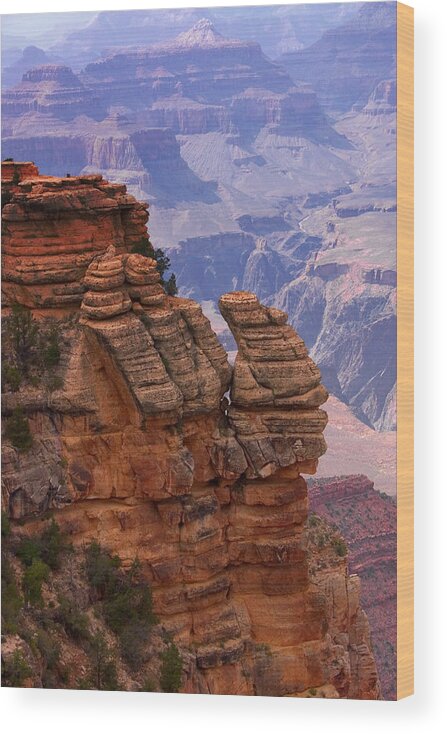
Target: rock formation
368,521
139,447
230,142
383,100
367,40
54,227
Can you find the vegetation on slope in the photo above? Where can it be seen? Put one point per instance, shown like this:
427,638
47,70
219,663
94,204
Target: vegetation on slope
145,247
77,619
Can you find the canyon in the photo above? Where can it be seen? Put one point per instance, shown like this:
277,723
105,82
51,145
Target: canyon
262,173
147,440
367,40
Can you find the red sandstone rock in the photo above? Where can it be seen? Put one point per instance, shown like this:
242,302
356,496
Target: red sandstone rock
151,462
54,227
367,519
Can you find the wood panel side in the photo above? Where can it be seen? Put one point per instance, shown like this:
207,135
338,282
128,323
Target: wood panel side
405,350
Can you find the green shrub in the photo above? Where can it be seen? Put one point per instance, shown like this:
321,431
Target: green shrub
133,638
11,377
33,578
74,622
51,353
103,675
171,670
54,382
23,331
48,648
145,247
48,547
15,670
340,547
148,685
126,601
12,601
17,430
171,285
101,569
30,346
29,549
52,545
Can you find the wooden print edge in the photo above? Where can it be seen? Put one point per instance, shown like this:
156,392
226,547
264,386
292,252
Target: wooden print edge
405,351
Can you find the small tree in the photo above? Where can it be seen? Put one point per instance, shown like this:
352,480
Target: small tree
17,430
11,376
101,569
24,331
29,549
12,601
145,247
171,670
163,262
171,285
33,578
51,352
52,545
74,622
340,547
104,676
15,670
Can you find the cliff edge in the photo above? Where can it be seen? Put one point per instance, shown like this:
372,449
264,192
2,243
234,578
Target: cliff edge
149,442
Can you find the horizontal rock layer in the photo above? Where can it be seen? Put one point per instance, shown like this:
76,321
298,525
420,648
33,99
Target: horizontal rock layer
139,448
54,227
367,519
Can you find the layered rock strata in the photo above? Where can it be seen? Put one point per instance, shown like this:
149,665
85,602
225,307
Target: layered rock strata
54,227
140,449
368,520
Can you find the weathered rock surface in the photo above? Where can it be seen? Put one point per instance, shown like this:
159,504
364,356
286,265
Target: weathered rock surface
53,228
383,100
224,142
140,449
368,522
50,89
275,392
